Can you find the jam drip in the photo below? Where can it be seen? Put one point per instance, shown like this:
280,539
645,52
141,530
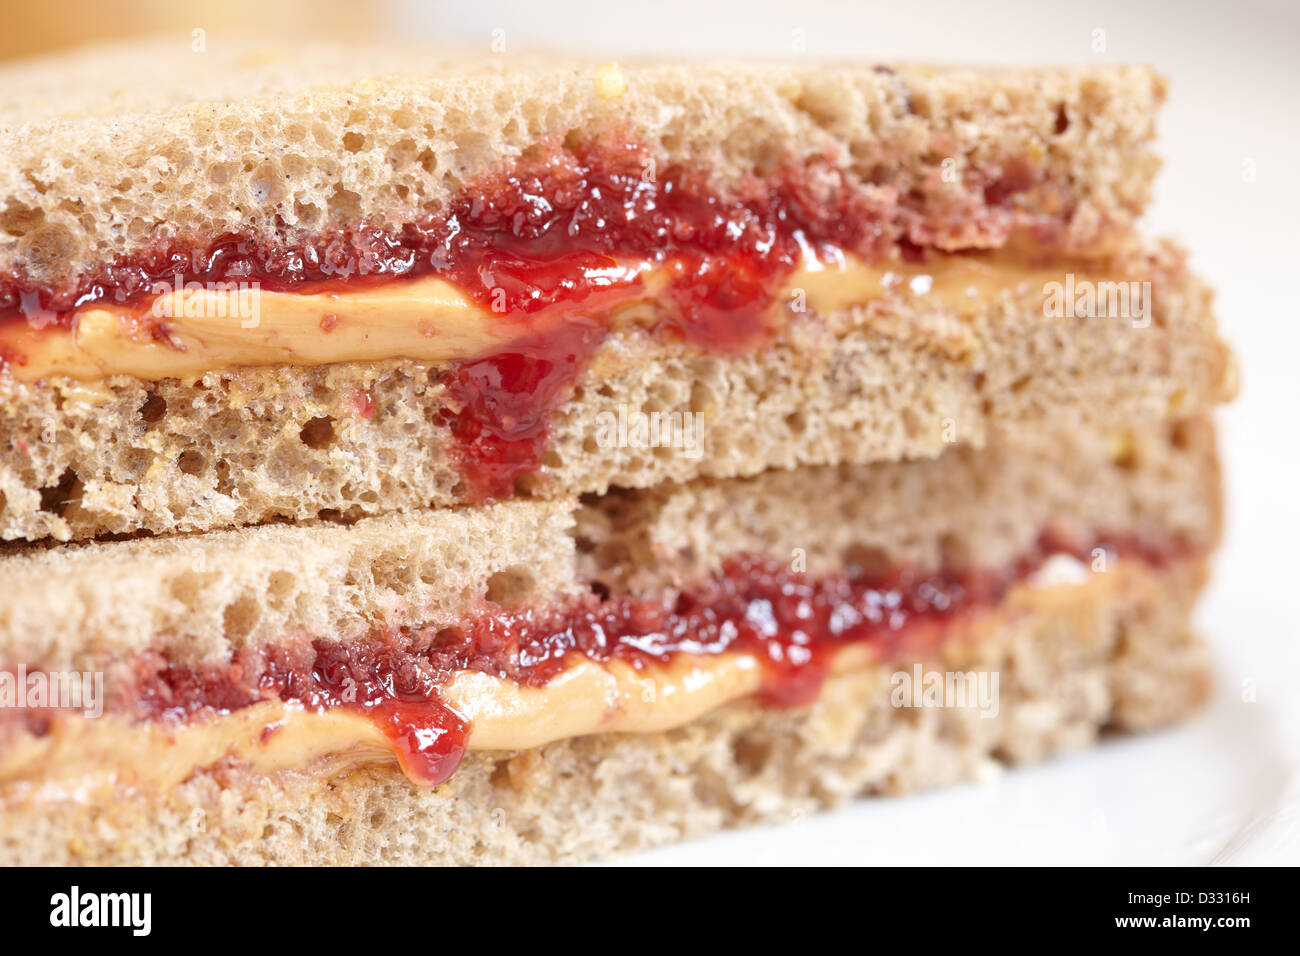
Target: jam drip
499,407
428,737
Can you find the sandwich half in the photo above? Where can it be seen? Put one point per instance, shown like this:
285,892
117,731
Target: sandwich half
413,459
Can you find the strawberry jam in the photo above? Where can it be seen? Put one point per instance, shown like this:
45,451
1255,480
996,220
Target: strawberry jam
428,738
792,623
499,406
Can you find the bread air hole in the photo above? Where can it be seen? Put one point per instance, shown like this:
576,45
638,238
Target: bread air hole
18,219
153,409
864,561
241,616
955,552
224,484
318,433
511,587
1062,120
279,589
56,498
191,462
751,753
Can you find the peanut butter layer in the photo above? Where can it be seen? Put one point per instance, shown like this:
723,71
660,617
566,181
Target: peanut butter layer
185,331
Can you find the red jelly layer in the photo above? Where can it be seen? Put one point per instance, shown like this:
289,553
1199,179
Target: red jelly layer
790,622
546,229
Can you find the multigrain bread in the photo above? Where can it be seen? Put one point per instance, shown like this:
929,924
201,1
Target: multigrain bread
901,378
1073,666
286,144
203,598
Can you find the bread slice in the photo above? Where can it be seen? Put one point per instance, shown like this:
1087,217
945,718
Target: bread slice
283,144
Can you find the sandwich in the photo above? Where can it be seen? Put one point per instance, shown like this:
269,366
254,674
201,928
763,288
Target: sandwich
411,458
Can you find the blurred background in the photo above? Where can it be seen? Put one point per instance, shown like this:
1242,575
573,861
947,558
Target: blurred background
1230,192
